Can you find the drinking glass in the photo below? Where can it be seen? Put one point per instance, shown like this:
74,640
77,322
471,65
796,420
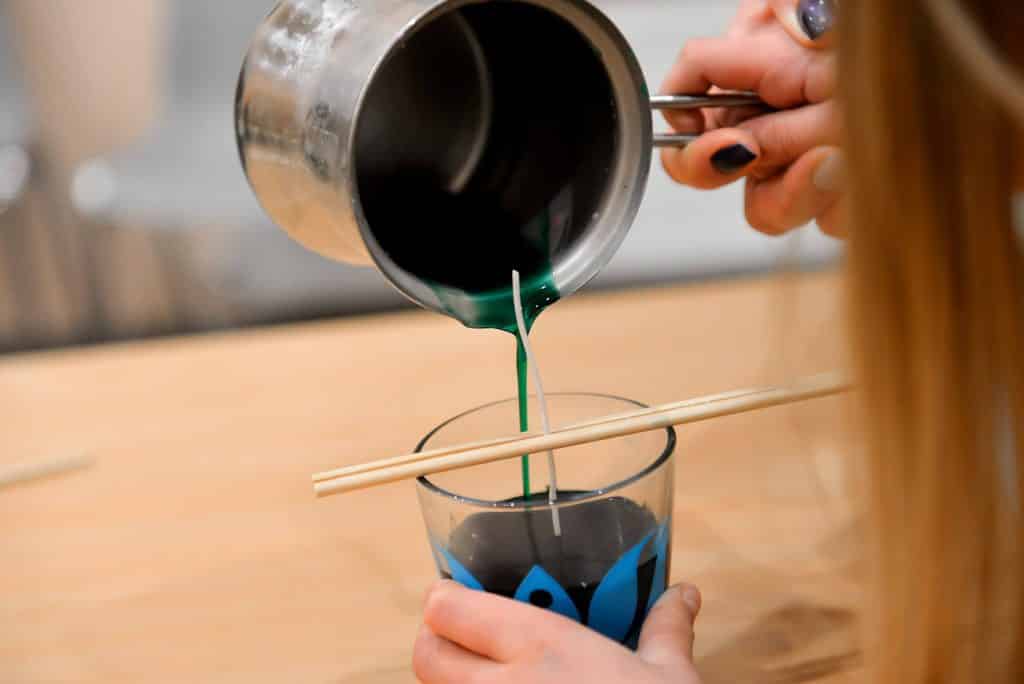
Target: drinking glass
599,554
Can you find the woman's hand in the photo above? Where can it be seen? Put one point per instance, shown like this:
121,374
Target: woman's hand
780,50
470,637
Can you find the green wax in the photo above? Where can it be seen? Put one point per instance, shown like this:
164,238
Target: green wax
465,246
522,369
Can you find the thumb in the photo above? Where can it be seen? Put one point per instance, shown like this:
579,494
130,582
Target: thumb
667,637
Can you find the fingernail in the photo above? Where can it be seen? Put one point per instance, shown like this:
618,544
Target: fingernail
729,160
691,597
828,177
816,17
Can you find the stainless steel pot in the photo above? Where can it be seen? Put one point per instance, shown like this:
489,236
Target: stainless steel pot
342,104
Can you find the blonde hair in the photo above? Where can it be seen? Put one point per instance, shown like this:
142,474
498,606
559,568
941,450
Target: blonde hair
936,302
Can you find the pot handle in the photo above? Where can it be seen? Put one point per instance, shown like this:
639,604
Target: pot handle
710,101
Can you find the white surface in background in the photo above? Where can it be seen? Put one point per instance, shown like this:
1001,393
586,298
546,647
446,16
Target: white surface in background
188,173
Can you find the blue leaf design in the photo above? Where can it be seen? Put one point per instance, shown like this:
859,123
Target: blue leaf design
459,573
614,604
661,564
539,580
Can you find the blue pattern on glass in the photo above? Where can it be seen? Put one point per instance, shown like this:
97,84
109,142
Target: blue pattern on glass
539,580
614,604
661,565
459,573
614,607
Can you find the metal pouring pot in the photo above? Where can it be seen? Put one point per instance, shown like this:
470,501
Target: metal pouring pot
540,102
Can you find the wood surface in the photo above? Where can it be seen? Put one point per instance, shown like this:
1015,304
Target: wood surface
194,550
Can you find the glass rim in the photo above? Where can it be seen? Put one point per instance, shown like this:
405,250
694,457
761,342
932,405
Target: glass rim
582,497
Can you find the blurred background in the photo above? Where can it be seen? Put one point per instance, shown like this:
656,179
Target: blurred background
124,212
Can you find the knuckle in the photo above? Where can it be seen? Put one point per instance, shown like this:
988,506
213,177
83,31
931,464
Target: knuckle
786,80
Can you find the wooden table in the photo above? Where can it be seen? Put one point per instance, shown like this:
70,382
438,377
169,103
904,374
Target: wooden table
194,550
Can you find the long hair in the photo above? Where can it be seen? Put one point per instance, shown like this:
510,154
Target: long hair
936,301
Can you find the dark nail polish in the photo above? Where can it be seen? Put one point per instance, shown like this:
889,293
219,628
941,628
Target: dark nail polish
729,160
816,16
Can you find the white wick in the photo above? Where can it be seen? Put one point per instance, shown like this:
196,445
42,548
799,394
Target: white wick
517,301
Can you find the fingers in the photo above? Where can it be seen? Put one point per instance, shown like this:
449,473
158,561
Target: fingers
808,189
768,62
787,156
783,137
489,625
713,160
696,122
686,120
667,636
758,147
439,661
730,117
809,22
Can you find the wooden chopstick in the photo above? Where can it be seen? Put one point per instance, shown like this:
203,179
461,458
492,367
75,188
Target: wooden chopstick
463,456
451,450
816,669
24,473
